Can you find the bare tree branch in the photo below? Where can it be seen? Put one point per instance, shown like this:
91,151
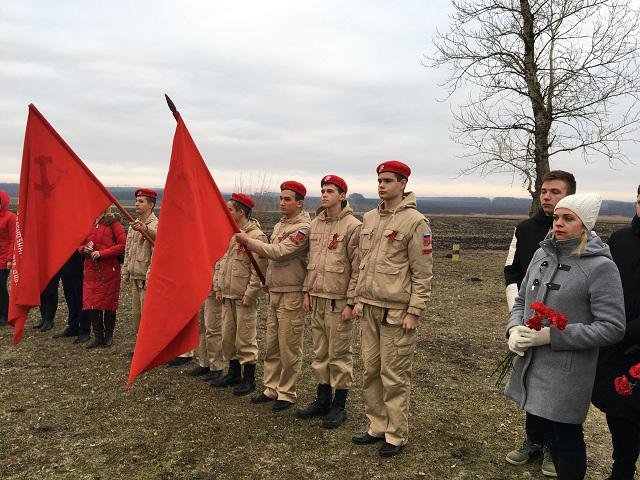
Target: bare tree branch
544,77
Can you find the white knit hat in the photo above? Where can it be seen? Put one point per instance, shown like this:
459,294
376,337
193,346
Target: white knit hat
585,205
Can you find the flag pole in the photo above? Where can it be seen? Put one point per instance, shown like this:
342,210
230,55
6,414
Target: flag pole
113,199
232,220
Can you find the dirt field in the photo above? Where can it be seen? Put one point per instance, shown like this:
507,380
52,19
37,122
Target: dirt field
66,413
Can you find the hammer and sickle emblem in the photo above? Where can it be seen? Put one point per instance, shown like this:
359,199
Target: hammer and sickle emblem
45,185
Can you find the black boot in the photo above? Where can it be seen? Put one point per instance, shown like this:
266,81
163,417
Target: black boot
337,415
231,378
248,383
320,406
98,329
109,327
46,326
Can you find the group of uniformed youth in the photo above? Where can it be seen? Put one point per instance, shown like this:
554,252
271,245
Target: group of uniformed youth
337,269
334,268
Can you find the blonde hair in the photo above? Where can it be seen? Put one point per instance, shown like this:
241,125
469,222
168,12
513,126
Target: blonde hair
582,246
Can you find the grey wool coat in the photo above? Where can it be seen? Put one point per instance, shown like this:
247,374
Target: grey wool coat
555,381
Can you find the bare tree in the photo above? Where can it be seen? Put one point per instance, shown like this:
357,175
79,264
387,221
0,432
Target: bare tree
543,77
259,186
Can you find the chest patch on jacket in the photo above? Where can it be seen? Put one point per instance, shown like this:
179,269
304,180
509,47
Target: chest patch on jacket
333,244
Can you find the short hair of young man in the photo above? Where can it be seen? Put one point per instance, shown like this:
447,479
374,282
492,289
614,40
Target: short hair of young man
566,177
244,208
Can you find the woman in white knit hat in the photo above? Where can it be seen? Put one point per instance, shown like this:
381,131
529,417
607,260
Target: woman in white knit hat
552,378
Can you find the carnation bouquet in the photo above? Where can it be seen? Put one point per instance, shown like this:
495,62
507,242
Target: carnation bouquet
622,384
542,313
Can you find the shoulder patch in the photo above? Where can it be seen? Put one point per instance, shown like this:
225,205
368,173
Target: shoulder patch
427,246
299,237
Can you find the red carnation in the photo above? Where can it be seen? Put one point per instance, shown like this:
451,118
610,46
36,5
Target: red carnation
635,371
535,323
559,320
538,307
622,385
542,312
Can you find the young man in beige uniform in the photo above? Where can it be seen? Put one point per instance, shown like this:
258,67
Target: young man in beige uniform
393,286
137,254
287,269
237,287
329,294
209,351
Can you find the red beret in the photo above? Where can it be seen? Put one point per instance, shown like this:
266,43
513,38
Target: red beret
294,186
245,200
336,180
146,192
394,166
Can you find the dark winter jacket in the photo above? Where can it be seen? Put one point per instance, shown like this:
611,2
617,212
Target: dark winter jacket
7,230
526,240
615,361
555,381
101,277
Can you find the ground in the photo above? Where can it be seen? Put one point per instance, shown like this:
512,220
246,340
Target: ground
66,413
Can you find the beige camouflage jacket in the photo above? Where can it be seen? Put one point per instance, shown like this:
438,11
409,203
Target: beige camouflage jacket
396,258
334,257
137,253
287,253
235,277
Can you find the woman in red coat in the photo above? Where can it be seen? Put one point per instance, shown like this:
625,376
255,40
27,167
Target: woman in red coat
7,236
101,282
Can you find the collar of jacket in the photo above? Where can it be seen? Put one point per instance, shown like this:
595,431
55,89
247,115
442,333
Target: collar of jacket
561,248
408,201
635,225
150,218
543,219
251,225
303,215
347,210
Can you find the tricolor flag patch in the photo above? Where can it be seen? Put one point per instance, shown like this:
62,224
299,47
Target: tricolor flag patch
427,246
299,237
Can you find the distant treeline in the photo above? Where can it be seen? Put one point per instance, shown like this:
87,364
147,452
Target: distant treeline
429,205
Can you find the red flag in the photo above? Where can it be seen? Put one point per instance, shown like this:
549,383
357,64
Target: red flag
193,233
59,199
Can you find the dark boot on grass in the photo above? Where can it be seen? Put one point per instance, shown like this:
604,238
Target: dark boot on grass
320,406
212,375
337,415
198,371
231,378
98,330
46,326
248,383
109,327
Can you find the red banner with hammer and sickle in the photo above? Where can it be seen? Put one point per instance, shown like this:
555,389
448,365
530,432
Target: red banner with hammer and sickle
59,199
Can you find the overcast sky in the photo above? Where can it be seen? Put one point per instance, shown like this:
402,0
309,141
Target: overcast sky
269,90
